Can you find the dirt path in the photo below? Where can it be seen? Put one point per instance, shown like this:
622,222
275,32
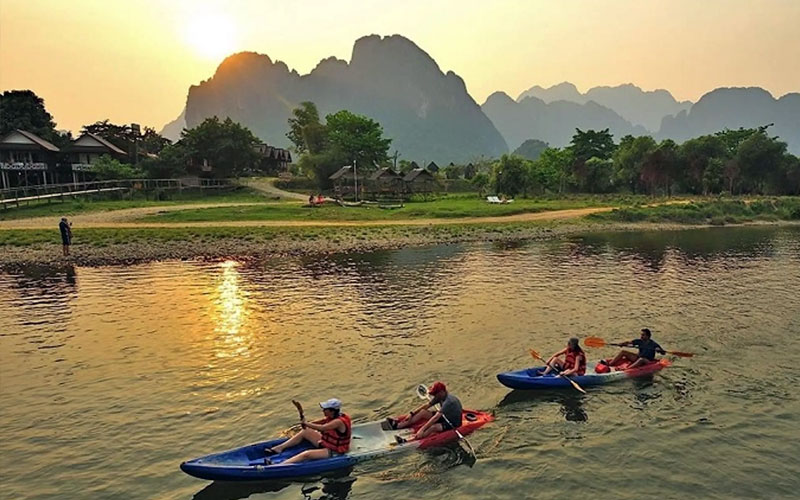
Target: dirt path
122,218
267,186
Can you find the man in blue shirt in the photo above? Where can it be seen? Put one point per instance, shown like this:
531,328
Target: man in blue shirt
647,351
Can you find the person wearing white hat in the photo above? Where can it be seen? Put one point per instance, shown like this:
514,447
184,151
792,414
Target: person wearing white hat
330,435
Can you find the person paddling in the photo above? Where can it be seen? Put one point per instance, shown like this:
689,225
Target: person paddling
647,351
329,436
447,418
574,360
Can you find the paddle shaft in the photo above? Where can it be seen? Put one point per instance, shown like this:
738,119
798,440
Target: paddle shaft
574,384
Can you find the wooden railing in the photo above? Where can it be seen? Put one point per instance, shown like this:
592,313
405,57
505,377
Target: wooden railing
26,194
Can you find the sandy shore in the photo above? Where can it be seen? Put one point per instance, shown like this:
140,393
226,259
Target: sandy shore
288,244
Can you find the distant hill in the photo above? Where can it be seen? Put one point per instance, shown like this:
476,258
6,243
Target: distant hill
553,122
428,114
737,107
640,107
173,129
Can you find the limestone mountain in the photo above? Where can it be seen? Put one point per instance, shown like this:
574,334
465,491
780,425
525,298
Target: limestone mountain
428,114
640,107
736,107
553,122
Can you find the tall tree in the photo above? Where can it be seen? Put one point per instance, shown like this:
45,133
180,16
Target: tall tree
760,158
24,110
697,156
226,146
629,159
357,138
584,146
510,175
305,131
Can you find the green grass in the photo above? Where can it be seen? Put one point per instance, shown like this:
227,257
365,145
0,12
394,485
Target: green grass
717,212
447,207
107,202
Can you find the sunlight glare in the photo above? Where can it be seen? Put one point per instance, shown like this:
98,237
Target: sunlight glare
212,35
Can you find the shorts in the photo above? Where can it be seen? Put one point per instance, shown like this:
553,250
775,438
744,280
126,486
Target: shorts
446,425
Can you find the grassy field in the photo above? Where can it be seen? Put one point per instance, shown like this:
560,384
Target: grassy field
716,212
106,203
453,206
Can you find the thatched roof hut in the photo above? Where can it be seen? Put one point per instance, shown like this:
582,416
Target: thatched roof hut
432,167
344,181
421,180
386,181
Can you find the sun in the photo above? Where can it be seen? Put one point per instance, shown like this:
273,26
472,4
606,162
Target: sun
211,35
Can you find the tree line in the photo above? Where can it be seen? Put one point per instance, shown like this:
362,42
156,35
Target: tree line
742,161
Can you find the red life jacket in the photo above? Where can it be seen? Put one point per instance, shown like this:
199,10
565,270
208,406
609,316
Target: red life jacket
569,362
334,440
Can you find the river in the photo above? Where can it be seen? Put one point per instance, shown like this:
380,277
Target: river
111,376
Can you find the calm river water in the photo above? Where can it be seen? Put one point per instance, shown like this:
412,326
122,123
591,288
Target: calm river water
110,377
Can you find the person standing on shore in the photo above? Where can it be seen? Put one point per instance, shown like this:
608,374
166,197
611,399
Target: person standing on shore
66,235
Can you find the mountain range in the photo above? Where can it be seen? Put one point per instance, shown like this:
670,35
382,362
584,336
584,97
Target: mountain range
430,116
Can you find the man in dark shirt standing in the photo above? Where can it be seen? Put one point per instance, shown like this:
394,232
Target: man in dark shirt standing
647,351
66,235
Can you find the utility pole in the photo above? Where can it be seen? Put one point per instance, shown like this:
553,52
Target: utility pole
355,180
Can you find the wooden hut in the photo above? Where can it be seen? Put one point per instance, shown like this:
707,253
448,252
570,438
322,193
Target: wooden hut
386,182
421,181
26,159
344,183
87,149
432,167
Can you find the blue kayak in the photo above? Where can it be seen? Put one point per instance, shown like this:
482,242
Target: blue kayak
529,378
369,440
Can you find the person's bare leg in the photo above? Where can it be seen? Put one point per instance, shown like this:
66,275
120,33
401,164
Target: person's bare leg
626,355
309,455
431,430
420,415
549,368
639,362
309,435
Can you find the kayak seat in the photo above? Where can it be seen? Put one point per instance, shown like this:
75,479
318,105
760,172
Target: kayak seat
470,417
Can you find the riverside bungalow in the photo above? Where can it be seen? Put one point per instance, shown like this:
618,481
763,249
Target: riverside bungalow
432,167
386,182
87,149
273,160
344,182
27,159
420,181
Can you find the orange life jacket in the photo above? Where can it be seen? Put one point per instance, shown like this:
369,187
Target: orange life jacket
334,440
569,362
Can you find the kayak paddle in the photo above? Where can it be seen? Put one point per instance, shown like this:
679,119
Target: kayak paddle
598,342
574,384
299,407
422,392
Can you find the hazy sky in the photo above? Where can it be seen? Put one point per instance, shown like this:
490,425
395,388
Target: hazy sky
133,61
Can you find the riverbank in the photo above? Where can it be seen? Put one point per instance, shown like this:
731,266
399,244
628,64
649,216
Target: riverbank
102,247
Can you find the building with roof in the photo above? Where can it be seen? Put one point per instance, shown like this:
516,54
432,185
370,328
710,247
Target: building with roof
385,182
27,159
273,160
86,150
420,181
345,181
432,167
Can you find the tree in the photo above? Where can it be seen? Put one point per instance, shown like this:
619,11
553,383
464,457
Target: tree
696,157
659,167
305,131
106,168
597,175
760,159
357,138
125,138
24,110
555,162
510,175
587,145
531,149
480,181
225,145
629,159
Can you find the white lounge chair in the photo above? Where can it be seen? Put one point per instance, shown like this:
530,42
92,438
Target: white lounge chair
493,199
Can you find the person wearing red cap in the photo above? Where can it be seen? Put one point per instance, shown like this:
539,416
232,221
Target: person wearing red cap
446,418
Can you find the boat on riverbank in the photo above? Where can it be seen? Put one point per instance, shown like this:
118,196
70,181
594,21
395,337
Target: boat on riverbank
369,440
529,378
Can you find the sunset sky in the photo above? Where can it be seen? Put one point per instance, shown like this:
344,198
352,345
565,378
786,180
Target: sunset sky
134,61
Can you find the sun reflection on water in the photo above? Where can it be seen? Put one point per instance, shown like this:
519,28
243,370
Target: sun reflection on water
230,313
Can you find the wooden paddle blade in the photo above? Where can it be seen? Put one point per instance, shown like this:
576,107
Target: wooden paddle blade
299,407
681,354
594,342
